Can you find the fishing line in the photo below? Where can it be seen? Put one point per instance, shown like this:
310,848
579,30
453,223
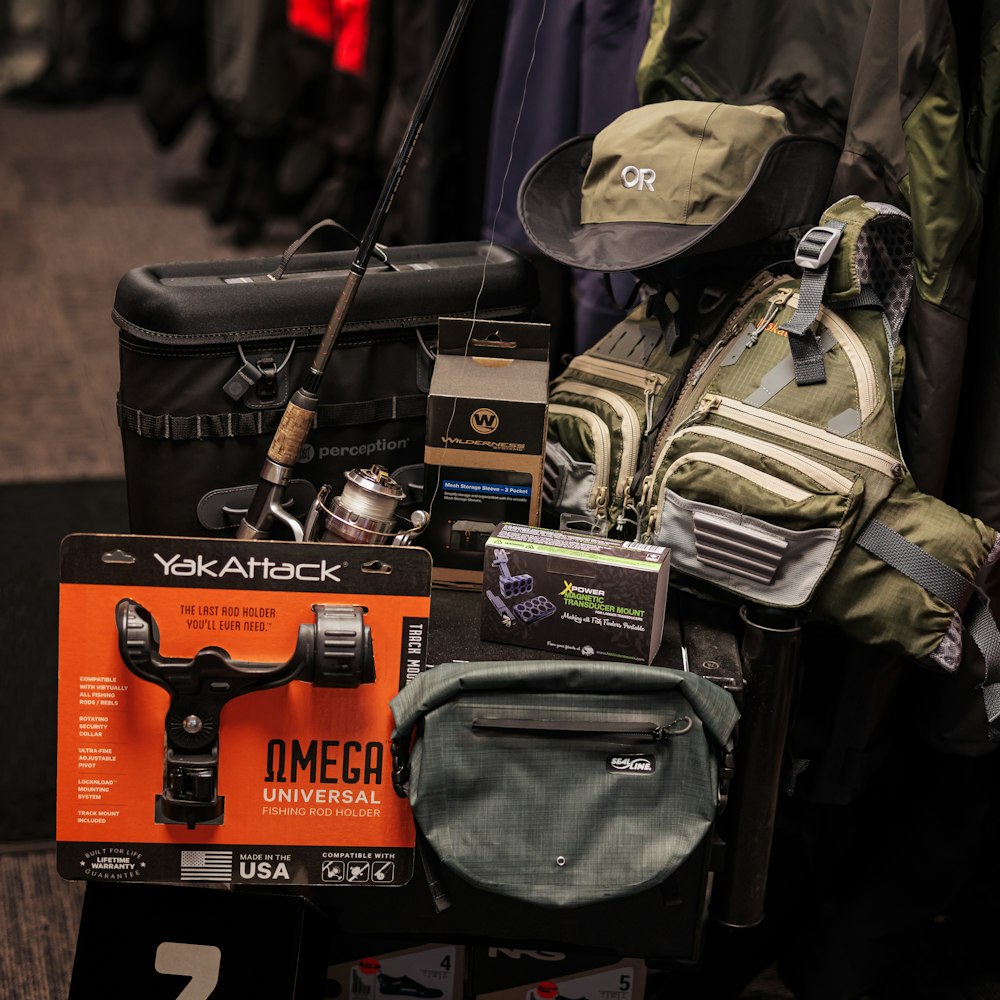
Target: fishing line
493,229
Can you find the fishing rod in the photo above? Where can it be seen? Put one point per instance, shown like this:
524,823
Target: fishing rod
297,420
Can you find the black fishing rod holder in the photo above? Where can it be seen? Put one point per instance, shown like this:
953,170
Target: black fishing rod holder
333,651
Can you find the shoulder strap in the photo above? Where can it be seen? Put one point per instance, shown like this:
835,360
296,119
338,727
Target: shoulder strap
956,591
813,255
860,255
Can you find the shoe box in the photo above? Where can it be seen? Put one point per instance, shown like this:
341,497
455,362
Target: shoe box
372,968
530,973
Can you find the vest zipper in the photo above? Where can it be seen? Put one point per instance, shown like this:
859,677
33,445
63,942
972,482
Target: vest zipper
630,433
821,474
650,732
615,371
759,478
601,437
803,433
864,370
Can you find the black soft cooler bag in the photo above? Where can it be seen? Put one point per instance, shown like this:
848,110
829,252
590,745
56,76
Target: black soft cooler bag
211,351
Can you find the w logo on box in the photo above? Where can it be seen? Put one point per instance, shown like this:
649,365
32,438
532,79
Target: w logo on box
484,420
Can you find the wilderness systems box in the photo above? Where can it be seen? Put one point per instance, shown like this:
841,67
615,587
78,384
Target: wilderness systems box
223,709
209,353
486,426
565,592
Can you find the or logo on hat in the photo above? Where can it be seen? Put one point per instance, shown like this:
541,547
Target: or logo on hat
674,178
638,177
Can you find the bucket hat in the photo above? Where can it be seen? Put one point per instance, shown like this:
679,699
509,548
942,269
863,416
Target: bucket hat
674,178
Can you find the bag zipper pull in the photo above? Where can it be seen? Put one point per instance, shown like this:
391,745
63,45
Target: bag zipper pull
706,405
648,394
651,517
628,508
772,311
647,483
601,502
681,725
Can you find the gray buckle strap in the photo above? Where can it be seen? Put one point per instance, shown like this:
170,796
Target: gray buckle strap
813,255
816,248
942,581
984,632
913,562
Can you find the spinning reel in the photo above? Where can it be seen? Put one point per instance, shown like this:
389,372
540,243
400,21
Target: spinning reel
334,651
365,512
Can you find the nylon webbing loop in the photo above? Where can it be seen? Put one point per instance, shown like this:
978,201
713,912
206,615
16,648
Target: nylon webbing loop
942,581
206,426
866,299
916,564
813,255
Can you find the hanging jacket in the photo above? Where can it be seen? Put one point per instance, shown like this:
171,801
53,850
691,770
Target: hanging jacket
882,78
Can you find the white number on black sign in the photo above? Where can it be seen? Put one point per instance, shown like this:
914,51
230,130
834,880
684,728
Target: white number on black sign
199,961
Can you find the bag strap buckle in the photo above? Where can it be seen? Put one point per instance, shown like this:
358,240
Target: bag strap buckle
816,248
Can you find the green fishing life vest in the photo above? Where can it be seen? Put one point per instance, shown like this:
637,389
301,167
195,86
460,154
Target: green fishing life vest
776,475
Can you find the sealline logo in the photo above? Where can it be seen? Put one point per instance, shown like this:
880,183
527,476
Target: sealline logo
632,764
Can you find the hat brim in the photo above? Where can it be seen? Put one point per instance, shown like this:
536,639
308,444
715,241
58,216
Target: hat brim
790,188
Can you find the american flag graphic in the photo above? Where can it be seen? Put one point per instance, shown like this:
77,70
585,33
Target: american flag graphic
206,866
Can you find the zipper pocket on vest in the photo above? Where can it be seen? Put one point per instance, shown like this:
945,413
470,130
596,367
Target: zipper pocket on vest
821,474
857,356
601,436
852,452
763,480
647,732
646,384
631,430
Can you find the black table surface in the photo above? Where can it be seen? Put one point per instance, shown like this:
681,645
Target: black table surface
697,635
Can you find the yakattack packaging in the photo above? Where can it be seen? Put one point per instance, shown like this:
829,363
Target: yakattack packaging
223,709
529,974
565,592
486,426
427,971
